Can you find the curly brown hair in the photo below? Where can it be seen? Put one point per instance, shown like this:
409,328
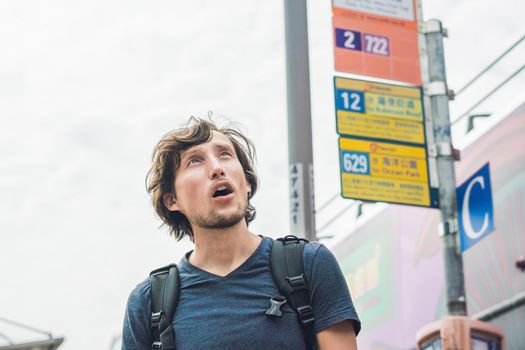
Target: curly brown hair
166,160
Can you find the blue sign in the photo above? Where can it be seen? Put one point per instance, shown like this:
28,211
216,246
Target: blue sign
476,215
355,162
350,100
348,39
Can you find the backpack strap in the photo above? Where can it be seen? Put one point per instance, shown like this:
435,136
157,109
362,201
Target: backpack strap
164,298
287,266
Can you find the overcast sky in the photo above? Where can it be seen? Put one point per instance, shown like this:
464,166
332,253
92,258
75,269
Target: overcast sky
88,87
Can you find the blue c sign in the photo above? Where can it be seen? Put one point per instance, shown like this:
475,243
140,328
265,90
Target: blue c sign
476,218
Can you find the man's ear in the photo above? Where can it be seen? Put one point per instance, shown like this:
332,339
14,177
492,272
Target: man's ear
169,202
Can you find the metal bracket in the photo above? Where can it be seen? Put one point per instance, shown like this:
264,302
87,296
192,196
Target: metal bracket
520,263
444,149
456,154
439,149
433,26
439,88
451,94
435,88
449,227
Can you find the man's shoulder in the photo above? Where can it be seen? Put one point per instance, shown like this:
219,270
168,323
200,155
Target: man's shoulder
312,248
316,253
140,294
136,330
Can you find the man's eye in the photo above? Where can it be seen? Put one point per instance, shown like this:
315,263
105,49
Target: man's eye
225,153
193,161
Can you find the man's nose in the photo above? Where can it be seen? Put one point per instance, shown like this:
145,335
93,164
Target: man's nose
216,169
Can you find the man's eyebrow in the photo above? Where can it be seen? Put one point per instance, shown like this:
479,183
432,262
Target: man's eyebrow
225,146
188,153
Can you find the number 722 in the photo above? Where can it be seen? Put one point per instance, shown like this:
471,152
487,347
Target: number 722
357,41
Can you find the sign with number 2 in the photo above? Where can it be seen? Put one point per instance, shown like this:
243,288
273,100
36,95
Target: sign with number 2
371,43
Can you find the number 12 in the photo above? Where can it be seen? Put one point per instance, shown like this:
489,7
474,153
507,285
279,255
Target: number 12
350,100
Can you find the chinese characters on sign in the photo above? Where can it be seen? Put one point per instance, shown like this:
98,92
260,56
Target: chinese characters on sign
395,9
379,111
382,146
384,172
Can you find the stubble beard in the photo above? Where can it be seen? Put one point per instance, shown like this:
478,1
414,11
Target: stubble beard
214,221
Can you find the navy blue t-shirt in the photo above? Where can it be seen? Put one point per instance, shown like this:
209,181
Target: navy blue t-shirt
228,312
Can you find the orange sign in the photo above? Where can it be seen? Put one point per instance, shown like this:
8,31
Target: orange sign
378,39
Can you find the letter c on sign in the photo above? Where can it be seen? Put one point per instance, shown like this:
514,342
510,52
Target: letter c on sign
467,224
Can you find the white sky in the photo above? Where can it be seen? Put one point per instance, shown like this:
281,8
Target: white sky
88,87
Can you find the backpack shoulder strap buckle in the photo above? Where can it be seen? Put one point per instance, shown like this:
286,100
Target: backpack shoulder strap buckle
297,282
156,318
306,315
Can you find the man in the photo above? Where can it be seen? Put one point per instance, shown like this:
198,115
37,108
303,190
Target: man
201,181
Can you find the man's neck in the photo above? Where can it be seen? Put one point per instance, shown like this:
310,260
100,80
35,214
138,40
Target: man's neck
220,251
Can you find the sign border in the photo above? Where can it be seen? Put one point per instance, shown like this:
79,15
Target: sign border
423,121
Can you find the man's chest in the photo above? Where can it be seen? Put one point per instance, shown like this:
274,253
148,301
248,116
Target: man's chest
215,313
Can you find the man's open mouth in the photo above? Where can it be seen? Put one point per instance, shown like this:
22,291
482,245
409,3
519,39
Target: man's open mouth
222,191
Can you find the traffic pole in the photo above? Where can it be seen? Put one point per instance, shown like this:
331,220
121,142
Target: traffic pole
437,90
301,174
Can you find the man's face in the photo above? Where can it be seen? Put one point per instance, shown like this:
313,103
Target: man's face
210,186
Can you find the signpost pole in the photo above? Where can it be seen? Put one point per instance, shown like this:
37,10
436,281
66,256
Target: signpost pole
436,89
299,120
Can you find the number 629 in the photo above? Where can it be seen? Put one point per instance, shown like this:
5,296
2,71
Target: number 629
355,162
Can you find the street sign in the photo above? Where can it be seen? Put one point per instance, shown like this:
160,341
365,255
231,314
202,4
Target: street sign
377,38
385,172
476,216
379,111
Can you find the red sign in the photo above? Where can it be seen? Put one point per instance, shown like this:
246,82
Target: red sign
378,40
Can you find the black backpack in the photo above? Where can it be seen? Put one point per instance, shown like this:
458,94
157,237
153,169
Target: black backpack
286,264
